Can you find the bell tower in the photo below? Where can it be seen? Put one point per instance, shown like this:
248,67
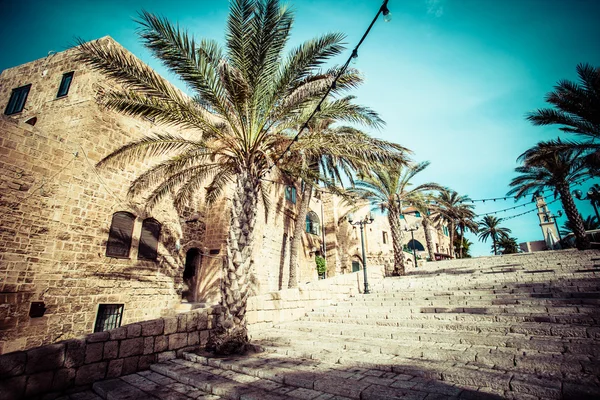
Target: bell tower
547,224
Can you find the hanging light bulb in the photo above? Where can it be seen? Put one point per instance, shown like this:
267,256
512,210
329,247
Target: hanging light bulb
334,85
354,56
387,15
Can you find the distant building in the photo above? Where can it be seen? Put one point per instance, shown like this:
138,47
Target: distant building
550,234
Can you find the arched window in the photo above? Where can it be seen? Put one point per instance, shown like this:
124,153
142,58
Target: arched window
313,224
415,244
290,194
149,239
119,236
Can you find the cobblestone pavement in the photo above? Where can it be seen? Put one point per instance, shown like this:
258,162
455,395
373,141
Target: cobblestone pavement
511,327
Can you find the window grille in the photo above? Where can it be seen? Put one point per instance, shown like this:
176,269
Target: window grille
119,237
17,100
65,84
149,239
290,194
109,317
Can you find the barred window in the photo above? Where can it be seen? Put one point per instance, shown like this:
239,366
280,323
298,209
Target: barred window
109,317
290,194
119,237
149,239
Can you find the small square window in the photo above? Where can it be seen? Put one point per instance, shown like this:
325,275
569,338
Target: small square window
109,317
18,97
65,84
290,194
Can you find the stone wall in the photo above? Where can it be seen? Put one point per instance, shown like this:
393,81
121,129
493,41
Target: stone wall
57,208
102,355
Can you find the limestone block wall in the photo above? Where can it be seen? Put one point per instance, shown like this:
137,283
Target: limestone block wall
108,354
57,208
291,304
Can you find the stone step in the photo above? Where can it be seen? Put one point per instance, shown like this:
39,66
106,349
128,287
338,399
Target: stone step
410,336
494,365
471,314
439,301
148,385
353,382
458,327
185,306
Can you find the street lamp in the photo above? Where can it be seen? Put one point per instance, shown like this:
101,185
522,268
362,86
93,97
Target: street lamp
361,223
414,248
592,195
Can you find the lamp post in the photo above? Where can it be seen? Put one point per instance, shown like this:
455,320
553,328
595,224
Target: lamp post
592,195
361,223
412,235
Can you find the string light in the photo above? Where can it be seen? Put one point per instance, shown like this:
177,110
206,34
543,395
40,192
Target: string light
387,17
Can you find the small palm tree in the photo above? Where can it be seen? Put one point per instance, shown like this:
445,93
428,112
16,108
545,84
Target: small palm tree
465,222
247,94
490,227
508,245
545,170
589,224
390,189
465,246
453,209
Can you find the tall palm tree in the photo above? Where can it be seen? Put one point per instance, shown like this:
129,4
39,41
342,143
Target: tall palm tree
335,151
490,227
465,222
246,95
589,224
576,108
450,209
543,170
390,189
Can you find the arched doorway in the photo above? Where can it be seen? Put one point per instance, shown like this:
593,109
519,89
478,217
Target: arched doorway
193,260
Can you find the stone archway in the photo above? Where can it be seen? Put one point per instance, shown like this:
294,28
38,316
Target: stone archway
193,261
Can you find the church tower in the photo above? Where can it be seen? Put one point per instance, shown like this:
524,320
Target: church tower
547,224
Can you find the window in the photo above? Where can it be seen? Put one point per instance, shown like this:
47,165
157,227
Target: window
313,223
417,214
355,266
109,317
149,239
65,84
18,97
446,231
290,194
385,237
119,237
401,216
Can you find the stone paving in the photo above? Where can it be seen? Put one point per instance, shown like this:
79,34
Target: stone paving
511,327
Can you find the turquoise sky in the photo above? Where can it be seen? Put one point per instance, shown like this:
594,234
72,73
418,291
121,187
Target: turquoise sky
453,79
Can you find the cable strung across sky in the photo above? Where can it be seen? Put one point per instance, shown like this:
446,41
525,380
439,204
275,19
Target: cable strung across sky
387,16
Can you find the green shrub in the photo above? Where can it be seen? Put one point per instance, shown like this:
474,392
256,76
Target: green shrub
321,265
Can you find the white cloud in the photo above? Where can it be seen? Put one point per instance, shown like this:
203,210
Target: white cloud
435,7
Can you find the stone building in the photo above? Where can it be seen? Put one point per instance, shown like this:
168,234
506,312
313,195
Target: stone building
77,255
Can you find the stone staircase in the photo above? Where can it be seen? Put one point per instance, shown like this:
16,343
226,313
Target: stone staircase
509,327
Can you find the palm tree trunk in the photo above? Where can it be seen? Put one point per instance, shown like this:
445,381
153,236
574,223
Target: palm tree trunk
460,243
428,238
452,229
299,229
394,221
494,243
236,277
582,242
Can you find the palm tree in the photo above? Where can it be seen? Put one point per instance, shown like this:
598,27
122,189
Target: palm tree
465,245
453,209
336,151
576,109
589,224
389,189
543,170
508,245
465,222
490,227
422,203
247,94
